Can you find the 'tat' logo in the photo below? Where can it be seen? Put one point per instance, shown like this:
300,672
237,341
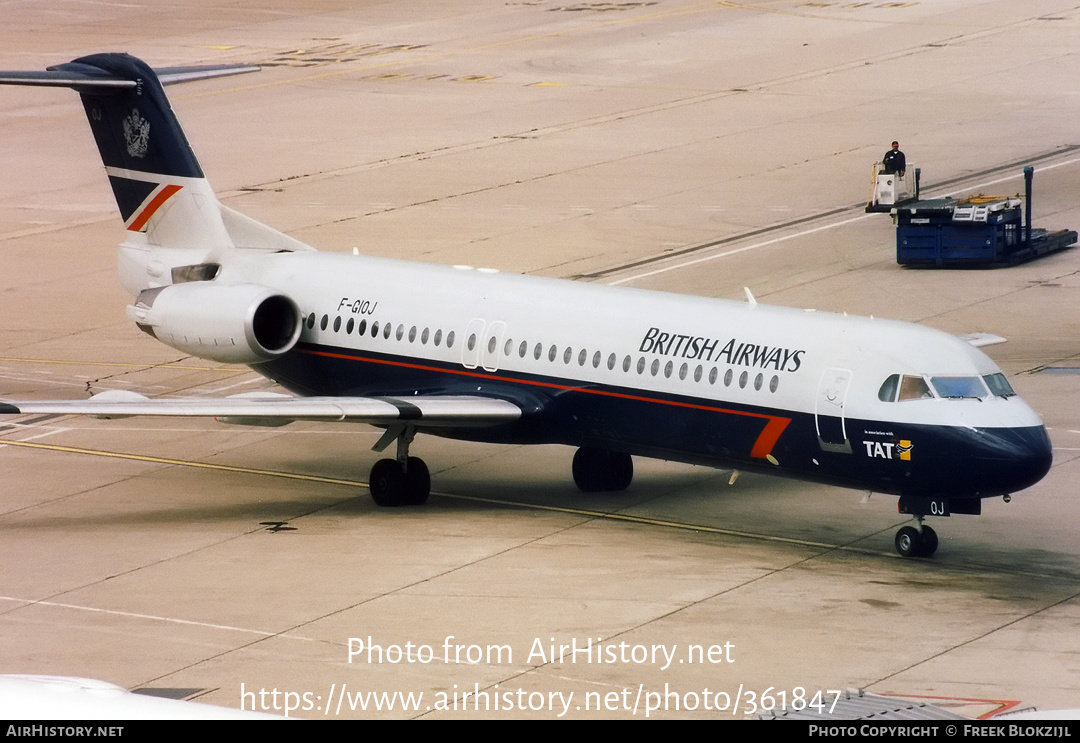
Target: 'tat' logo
888,450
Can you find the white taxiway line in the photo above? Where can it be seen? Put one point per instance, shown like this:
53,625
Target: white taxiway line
811,231
50,432
745,248
155,618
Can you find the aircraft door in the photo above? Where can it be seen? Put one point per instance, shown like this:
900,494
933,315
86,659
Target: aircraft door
492,342
829,410
474,339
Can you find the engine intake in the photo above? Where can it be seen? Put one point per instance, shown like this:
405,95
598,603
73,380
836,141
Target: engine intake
231,323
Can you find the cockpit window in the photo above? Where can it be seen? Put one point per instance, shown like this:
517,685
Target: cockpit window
887,393
999,385
898,388
914,388
959,387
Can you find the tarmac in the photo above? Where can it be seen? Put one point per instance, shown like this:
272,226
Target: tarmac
697,147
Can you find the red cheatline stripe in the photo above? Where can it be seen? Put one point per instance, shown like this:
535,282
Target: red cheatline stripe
766,440
162,196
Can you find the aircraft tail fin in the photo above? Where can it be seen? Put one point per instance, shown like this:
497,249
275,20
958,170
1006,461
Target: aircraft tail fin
159,186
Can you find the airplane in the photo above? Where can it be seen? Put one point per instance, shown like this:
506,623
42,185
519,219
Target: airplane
475,354
37,697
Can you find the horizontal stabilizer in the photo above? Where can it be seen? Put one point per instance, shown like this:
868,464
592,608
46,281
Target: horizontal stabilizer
170,75
64,79
75,75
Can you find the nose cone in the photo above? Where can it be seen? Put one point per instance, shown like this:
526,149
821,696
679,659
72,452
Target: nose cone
1011,459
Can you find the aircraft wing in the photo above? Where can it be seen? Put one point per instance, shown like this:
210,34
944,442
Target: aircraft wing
982,339
275,409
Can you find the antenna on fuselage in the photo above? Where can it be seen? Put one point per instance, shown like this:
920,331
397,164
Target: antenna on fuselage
749,297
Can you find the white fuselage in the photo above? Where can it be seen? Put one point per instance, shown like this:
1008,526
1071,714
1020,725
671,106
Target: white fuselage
696,379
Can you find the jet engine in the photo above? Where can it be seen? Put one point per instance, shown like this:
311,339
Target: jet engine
231,323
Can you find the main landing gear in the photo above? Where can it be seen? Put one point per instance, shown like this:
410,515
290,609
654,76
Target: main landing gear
597,470
404,481
920,541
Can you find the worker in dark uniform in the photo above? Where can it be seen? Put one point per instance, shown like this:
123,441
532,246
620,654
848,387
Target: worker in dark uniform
894,161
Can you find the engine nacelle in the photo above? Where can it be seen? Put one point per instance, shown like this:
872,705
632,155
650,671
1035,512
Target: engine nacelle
232,323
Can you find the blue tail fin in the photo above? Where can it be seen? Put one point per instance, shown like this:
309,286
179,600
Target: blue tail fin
122,117
141,143
172,216
144,149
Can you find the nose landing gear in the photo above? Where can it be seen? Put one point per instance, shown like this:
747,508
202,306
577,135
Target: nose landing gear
916,541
